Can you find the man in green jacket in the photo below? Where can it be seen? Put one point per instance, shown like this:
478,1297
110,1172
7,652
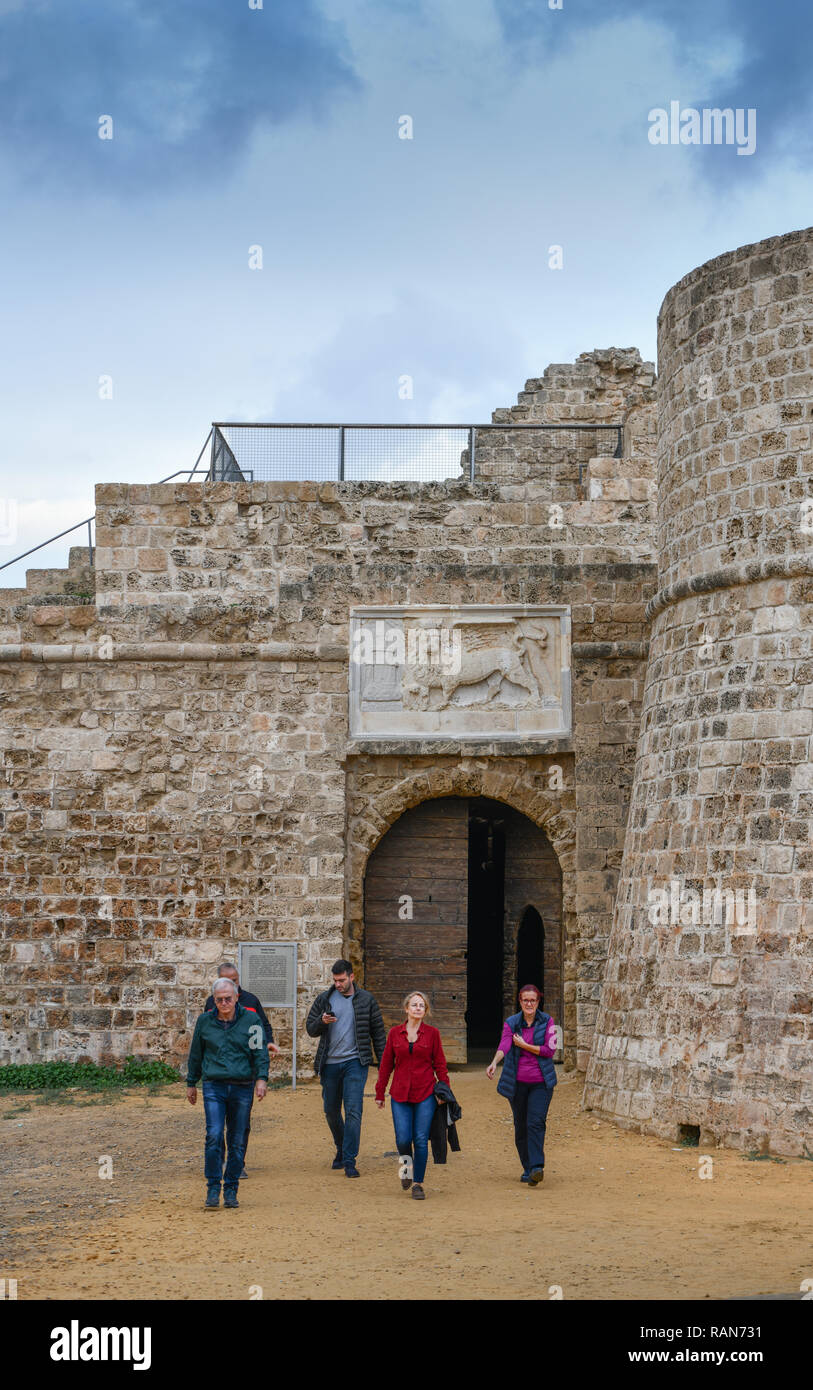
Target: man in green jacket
228,1051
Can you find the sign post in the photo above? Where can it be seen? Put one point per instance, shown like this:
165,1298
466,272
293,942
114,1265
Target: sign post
268,969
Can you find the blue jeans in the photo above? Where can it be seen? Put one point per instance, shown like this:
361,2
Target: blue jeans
248,1132
413,1121
529,1104
343,1083
227,1107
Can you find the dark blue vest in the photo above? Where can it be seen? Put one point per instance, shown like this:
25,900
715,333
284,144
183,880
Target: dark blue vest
507,1082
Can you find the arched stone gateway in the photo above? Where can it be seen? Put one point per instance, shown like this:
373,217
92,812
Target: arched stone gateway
464,852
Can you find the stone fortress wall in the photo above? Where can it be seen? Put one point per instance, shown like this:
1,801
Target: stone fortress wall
708,1022
179,774
178,770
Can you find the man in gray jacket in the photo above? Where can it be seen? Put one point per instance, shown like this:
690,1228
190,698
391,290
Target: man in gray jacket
348,1023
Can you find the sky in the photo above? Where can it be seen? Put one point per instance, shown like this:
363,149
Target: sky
133,304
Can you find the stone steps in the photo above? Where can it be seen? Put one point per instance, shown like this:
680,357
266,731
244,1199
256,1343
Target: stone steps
77,582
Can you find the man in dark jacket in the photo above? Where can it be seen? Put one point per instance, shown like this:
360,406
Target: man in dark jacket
348,1023
229,1053
227,970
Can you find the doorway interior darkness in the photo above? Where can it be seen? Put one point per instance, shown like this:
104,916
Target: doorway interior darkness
531,950
484,960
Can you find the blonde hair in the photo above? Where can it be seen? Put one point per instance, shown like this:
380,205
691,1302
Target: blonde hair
411,995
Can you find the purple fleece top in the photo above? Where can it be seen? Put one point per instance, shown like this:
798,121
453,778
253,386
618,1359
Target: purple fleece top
528,1066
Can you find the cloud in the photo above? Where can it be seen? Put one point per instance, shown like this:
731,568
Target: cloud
745,53
457,366
187,83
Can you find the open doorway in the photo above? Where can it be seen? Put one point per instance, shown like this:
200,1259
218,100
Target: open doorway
531,950
463,900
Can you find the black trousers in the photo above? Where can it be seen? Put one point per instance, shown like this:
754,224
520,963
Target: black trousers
529,1105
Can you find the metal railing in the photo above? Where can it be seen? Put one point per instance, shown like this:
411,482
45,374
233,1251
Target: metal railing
387,453
370,453
90,519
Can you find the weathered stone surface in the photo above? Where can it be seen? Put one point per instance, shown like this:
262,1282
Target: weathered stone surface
722,799
182,779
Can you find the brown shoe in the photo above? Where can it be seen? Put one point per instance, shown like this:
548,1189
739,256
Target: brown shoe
406,1184
537,1174
417,1191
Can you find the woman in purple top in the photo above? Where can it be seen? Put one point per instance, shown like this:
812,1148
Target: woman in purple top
528,1043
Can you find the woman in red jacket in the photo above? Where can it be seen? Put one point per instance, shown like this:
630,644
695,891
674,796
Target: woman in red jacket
415,1053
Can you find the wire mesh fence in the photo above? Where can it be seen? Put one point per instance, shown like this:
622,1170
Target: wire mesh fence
399,453
384,453
355,453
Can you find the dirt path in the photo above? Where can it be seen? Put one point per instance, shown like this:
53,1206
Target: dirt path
617,1217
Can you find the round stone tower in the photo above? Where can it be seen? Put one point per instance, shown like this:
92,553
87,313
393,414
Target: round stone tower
705,1030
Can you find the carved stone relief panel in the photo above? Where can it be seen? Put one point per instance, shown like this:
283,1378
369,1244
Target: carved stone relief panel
472,671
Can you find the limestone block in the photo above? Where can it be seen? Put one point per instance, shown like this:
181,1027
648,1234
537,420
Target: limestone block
641,1106
725,972
49,616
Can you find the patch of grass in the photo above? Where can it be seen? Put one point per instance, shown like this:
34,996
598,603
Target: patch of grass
16,1110
54,1078
50,1096
89,1097
754,1157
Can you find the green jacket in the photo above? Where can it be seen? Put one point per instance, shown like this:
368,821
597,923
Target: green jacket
228,1054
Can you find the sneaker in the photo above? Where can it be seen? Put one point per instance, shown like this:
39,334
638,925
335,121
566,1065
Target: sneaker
230,1198
351,1171
526,1177
338,1162
418,1192
406,1184
212,1197
536,1176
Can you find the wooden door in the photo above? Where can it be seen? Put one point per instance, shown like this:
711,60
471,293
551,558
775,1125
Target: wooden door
423,856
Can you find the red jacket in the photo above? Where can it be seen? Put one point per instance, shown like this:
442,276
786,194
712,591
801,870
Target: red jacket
415,1072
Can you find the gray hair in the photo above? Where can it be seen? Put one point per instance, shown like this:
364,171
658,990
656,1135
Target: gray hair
227,965
224,980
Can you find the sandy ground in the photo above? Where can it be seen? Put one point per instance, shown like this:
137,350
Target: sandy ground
617,1217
